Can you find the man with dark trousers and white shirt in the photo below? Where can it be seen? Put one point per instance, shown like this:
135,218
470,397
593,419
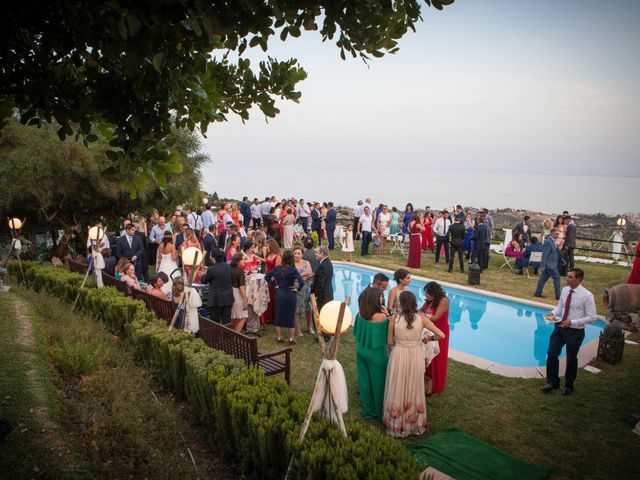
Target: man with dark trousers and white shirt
576,308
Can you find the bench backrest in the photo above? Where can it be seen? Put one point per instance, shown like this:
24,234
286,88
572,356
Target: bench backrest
163,309
228,340
77,267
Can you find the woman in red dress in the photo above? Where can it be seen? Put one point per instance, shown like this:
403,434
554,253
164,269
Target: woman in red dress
427,233
436,308
272,259
635,271
415,228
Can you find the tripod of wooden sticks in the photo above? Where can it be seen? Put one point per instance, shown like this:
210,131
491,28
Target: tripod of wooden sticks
15,236
324,378
187,294
91,267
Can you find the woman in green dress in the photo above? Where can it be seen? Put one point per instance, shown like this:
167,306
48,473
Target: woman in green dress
370,330
395,221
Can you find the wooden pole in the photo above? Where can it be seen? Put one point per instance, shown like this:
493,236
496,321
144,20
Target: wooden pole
324,377
86,274
14,238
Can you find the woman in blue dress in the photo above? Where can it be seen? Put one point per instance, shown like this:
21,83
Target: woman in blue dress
406,218
469,225
284,278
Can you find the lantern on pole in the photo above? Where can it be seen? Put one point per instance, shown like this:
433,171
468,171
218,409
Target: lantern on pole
192,257
330,392
95,234
15,227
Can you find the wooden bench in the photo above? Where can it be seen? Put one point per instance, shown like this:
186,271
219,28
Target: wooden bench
163,309
245,348
110,281
77,267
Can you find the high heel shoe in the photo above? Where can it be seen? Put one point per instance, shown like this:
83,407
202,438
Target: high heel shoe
280,340
292,341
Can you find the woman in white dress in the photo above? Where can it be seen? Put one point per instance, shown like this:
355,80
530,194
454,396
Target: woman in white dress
288,222
347,244
384,226
166,260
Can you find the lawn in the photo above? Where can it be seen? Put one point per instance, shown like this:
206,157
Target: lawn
583,436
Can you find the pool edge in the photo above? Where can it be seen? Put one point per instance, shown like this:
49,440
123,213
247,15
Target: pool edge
466,288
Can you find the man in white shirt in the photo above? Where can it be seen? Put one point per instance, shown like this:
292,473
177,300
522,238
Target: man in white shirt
441,228
576,308
208,218
255,214
265,210
365,229
303,212
357,213
195,222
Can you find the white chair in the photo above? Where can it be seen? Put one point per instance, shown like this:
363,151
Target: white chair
535,257
508,261
398,243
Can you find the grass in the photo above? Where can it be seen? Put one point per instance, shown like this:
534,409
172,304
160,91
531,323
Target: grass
110,409
583,436
37,445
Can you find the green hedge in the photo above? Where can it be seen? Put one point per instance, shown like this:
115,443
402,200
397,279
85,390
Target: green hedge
254,420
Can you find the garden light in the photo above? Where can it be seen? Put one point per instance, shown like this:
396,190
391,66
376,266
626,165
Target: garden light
15,224
96,233
329,317
192,257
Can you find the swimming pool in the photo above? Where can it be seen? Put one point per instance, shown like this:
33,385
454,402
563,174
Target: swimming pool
501,331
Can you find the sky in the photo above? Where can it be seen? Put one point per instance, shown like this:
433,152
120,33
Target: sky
498,103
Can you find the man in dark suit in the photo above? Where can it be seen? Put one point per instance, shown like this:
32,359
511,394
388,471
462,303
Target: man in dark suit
245,210
570,241
380,282
316,219
208,244
330,223
456,234
549,264
524,229
322,285
220,299
480,235
226,234
130,246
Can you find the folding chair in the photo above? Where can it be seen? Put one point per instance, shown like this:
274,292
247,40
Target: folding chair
508,261
507,240
535,257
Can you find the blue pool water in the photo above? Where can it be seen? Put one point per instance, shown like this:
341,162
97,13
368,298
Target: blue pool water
501,331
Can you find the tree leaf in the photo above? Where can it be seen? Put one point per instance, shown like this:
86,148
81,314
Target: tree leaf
158,61
122,28
133,22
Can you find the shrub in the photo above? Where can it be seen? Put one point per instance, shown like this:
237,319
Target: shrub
255,420
75,359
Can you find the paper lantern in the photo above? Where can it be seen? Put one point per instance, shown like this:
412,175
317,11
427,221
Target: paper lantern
15,224
205,200
96,233
329,317
621,222
192,257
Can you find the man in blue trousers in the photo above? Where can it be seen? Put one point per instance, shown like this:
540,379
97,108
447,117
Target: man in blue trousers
549,264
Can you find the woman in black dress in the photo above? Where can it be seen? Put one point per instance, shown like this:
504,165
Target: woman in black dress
288,282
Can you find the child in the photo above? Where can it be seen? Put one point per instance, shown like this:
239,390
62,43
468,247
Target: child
347,244
377,244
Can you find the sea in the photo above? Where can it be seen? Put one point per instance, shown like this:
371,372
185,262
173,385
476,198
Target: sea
611,195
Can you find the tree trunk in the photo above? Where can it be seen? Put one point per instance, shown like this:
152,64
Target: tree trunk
61,248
